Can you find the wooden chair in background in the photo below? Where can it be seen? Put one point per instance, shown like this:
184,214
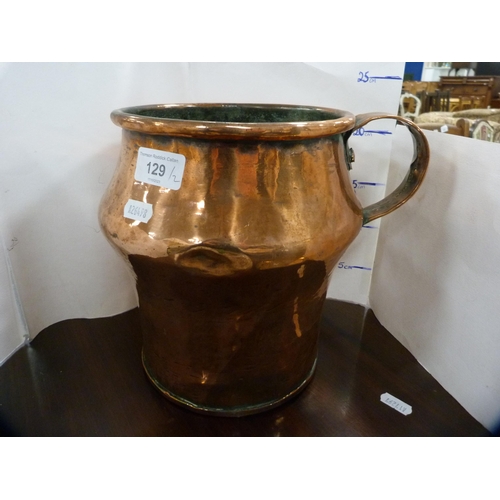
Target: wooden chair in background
409,105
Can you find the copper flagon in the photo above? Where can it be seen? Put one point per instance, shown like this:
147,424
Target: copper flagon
233,252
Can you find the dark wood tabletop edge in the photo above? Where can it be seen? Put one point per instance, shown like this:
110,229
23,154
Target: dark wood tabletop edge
372,360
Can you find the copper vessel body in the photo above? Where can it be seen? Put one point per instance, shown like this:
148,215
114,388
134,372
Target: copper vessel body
233,263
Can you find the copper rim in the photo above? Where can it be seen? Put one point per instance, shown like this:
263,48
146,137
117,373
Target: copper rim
136,119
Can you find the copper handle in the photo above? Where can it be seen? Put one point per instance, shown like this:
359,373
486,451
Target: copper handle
415,175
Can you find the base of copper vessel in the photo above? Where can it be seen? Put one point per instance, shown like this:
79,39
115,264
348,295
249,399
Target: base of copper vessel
239,411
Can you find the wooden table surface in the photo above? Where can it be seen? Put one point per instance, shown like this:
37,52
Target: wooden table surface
85,378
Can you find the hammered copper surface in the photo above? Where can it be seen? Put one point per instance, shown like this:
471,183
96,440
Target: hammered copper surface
232,268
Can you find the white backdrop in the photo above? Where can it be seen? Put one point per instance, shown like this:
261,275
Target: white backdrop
58,150
436,284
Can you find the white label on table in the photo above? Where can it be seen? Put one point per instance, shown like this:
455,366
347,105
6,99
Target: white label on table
160,168
395,403
444,129
138,210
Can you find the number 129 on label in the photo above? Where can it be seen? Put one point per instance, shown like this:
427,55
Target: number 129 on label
160,168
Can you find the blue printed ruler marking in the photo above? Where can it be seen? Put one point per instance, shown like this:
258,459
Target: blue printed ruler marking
343,265
381,132
386,77
371,183
364,77
361,132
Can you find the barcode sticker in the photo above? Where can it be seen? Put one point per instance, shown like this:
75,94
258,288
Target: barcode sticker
138,210
160,168
396,403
